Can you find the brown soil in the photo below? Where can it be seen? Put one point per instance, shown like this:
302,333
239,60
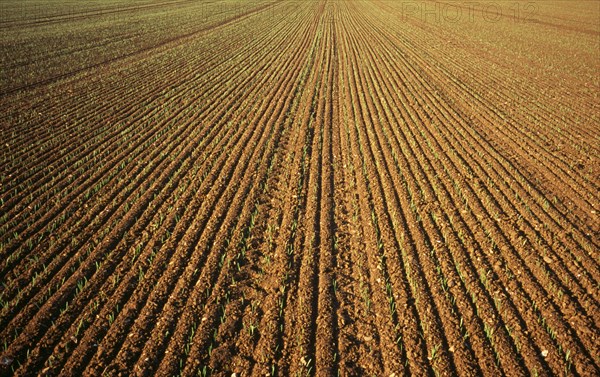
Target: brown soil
285,188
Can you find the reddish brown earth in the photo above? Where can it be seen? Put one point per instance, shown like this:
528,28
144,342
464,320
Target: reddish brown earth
319,187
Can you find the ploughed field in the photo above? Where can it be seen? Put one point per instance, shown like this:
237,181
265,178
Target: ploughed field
315,187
